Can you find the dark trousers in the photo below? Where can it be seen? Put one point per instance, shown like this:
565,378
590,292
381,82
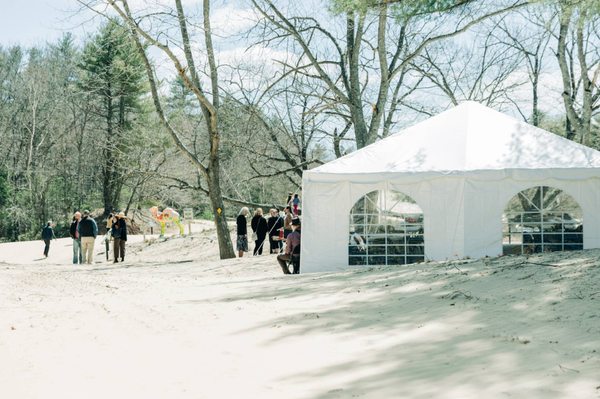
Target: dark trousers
119,249
47,247
283,260
275,246
258,245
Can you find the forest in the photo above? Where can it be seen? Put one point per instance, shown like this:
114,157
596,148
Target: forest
215,106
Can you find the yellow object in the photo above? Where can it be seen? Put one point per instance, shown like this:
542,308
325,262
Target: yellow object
167,215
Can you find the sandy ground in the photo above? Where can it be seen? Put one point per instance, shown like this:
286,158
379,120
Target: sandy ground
173,321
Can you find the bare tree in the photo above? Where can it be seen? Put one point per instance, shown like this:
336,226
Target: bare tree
482,71
578,54
371,43
529,34
152,30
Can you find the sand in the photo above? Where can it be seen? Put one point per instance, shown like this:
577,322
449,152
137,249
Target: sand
174,321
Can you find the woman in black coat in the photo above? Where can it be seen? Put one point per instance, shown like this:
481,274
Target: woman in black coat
259,227
274,224
242,232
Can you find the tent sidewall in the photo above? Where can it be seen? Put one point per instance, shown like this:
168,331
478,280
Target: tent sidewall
462,213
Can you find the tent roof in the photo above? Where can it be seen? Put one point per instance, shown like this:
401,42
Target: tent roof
468,137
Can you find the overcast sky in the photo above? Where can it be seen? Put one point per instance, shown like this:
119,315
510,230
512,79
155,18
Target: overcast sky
31,22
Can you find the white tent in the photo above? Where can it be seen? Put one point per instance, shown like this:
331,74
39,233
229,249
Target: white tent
461,167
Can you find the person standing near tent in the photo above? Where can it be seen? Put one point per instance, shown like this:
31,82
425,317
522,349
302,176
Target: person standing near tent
242,231
292,248
119,234
259,229
47,235
88,230
274,224
287,221
74,233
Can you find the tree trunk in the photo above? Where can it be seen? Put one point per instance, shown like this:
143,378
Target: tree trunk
216,201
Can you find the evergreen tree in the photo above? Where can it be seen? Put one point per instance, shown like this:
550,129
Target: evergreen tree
114,74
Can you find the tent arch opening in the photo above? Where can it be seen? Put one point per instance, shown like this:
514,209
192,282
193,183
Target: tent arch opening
542,219
386,228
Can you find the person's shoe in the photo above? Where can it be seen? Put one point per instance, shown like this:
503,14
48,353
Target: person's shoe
115,261
122,259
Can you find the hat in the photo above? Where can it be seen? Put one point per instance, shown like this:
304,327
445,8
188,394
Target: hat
295,222
86,212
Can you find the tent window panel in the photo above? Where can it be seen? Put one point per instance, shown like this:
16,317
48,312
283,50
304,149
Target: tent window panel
377,260
513,238
552,238
377,249
542,219
397,250
416,250
396,260
553,248
573,247
390,225
357,260
415,259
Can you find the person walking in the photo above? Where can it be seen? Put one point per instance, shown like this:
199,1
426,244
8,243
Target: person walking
242,231
274,224
74,233
119,234
292,248
47,235
260,229
88,230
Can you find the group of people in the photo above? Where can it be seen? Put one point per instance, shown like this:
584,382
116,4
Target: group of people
278,228
83,232
116,228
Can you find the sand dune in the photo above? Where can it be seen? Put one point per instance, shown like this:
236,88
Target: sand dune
173,321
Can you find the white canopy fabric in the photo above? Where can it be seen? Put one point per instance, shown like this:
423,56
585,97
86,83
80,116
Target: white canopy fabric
461,167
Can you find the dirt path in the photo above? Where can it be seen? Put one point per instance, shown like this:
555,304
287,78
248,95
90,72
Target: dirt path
204,328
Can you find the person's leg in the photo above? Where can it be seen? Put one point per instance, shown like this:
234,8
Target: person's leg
255,251
270,245
76,251
116,249
83,251
178,223
122,249
46,247
296,264
282,260
258,247
89,249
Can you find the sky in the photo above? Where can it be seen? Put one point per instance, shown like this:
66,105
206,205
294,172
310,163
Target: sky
35,22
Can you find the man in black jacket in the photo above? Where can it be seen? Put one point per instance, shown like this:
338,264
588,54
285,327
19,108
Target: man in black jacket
88,230
47,235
